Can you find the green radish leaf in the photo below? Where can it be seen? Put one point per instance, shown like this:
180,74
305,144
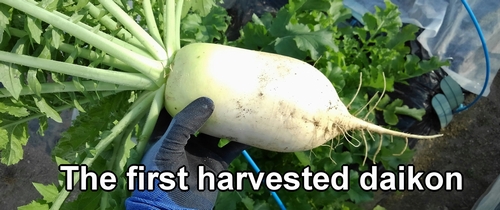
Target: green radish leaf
34,205
378,81
248,202
43,125
186,6
56,38
261,205
390,117
33,83
76,17
49,192
78,84
86,200
202,7
10,77
337,12
14,138
226,200
317,5
34,27
412,112
287,46
76,103
390,154
55,78
223,142
3,138
378,207
335,74
217,21
389,112
407,33
257,37
411,66
357,194
371,22
384,20
88,126
278,28
314,42
432,64
47,110
13,110
207,29
191,28
384,101
303,159
49,5
4,19
78,6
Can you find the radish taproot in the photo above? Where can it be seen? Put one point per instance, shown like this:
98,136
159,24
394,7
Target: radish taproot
264,100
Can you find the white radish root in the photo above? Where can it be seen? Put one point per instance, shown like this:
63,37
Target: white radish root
264,100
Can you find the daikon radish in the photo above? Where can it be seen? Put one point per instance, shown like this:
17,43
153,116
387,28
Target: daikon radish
264,100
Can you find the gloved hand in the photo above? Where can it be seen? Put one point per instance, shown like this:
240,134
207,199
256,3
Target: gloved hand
174,151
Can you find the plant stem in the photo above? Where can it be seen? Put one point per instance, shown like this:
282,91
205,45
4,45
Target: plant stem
154,111
136,49
136,113
178,17
116,158
150,20
109,164
151,68
112,25
69,87
83,53
134,45
169,35
151,45
94,56
135,80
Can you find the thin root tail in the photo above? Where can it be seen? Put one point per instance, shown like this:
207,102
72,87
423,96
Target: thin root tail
361,124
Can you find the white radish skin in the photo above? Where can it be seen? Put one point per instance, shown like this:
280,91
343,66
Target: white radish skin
264,100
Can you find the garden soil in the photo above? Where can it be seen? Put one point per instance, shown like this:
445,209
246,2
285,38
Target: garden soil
470,145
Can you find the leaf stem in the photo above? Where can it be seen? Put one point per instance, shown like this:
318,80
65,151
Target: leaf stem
151,45
151,68
170,27
116,158
151,120
135,113
150,20
83,53
136,49
178,17
112,25
135,80
69,87
94,56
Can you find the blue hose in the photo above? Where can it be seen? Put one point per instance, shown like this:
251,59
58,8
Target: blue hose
257,170
486,56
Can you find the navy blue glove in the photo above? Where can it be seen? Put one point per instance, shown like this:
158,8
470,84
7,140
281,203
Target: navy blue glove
174,151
